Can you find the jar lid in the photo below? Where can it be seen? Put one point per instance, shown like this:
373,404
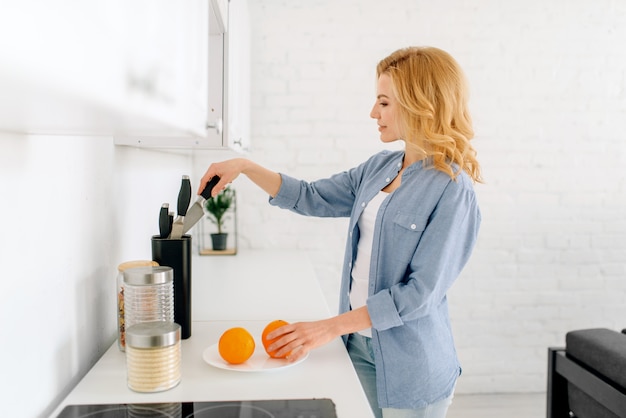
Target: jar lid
135,263
140,276
153,334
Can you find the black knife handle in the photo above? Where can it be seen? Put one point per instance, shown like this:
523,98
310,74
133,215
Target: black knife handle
206,193
164,221
184,196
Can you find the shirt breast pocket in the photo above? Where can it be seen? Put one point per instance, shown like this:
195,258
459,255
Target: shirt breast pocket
408,230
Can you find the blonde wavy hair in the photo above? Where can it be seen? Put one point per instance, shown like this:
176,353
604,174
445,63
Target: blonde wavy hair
432,92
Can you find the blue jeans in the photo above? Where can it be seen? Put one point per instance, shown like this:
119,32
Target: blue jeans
362,356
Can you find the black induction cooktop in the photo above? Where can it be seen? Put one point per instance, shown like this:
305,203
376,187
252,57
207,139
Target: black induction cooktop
290,408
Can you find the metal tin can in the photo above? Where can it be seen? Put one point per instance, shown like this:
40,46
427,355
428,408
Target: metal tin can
153,356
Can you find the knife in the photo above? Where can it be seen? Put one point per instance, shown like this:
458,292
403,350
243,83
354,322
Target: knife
164,221
184,197
196,211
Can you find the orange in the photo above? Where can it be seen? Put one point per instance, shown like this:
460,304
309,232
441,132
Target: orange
269,328
236,345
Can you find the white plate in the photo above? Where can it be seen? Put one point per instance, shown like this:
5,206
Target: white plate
259,362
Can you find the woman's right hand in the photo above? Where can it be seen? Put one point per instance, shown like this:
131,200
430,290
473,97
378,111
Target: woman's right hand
227,170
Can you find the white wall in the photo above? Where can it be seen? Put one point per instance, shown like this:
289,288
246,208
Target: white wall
73,208
548,84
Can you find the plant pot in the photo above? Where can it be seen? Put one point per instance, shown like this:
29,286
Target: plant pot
219,241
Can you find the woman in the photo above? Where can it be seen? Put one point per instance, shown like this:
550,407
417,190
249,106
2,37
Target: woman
414,220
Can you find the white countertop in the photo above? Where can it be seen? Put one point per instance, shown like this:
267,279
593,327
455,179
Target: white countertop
259,285
248,290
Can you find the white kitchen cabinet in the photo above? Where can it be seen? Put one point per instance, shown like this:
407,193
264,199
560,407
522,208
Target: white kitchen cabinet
237,85
138,70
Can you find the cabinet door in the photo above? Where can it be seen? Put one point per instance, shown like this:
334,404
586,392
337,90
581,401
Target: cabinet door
166,55
229,76
211,72
238,76
87,67
217,54
228,110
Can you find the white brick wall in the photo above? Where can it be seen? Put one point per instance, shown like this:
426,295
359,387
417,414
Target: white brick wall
548,84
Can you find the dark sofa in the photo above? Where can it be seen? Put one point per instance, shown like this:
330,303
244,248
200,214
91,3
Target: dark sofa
587,379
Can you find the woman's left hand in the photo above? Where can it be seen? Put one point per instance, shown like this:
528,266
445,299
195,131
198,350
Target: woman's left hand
297,339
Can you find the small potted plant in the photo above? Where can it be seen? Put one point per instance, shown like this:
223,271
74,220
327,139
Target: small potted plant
216,208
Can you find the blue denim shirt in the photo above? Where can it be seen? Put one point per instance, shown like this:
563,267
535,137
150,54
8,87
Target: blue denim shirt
423,236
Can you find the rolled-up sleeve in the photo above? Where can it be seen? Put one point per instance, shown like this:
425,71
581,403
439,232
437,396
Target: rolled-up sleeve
288,193
331,197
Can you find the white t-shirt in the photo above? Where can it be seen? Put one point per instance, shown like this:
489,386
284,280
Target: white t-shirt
361,267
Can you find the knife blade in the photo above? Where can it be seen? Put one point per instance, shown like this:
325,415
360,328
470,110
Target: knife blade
184,197
196,211
164,221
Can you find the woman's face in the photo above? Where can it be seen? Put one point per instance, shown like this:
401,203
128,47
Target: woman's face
385,110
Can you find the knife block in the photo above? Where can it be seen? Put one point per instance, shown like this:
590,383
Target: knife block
176,253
